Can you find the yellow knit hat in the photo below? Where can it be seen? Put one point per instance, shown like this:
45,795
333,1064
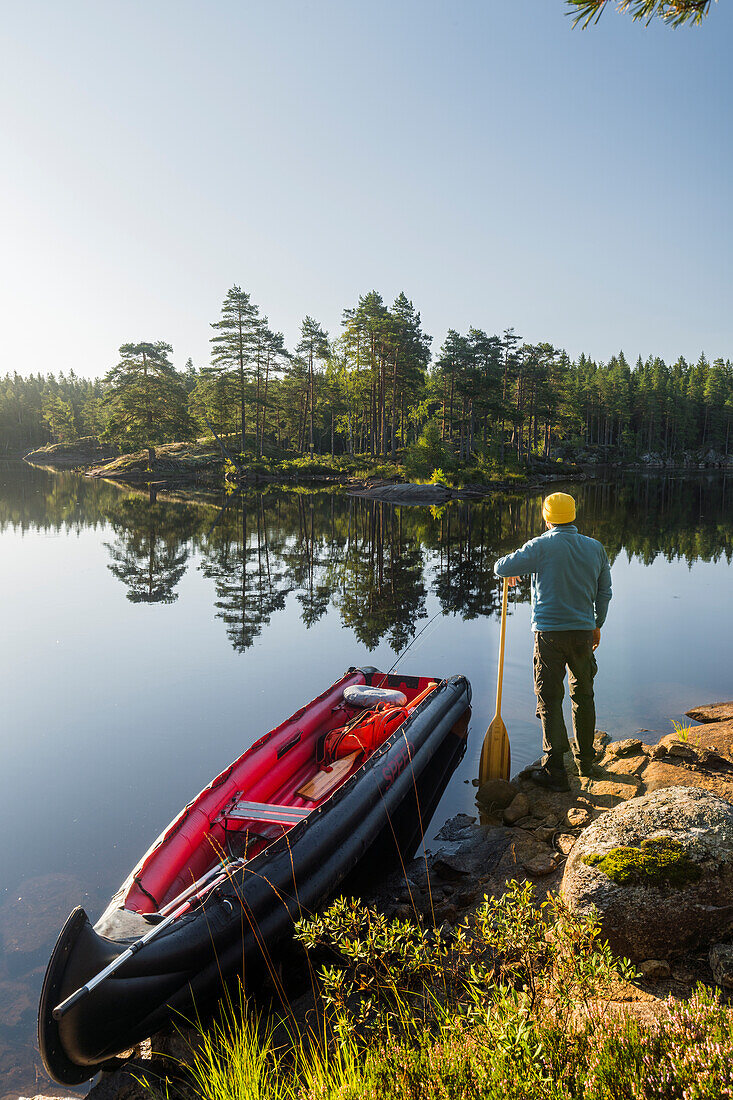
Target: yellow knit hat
559,508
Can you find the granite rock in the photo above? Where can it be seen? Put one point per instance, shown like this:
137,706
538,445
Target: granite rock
577,817
459,827
517,809
565,842
655,970
631,746
713,712
644,918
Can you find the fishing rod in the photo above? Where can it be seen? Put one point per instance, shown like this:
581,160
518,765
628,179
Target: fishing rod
410,645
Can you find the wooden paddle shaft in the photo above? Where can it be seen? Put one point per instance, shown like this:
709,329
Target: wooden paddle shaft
502,638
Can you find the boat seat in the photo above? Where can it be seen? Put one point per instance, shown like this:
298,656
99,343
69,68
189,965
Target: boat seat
243,810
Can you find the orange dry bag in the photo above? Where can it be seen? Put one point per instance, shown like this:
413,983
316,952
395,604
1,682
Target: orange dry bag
365,735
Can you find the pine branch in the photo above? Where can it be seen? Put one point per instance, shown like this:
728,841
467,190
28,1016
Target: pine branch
673,12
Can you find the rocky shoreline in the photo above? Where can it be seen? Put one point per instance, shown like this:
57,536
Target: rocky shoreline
177,465
529,834
202,462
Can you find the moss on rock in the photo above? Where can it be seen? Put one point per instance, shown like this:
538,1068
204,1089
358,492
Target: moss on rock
659,861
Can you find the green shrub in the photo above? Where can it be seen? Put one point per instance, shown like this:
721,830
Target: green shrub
427,454
510,1005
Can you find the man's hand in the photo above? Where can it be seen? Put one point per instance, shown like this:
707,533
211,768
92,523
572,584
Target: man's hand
511,581
596,637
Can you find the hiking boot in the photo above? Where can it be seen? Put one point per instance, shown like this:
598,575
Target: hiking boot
545,777
587,767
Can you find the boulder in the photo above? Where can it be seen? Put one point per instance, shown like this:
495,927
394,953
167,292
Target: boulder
565,842
577,817
459,827
631,746
407,493
480,854
548,806
659,872
544,863
529,856
683,750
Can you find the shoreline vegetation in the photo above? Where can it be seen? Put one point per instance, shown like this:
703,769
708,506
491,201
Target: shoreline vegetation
470,973
203,463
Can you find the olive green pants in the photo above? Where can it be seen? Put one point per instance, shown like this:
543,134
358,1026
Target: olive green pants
554,651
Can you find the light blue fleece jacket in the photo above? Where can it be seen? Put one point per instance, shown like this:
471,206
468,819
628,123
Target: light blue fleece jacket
571,579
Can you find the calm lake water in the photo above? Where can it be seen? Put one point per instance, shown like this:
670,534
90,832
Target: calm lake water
144,645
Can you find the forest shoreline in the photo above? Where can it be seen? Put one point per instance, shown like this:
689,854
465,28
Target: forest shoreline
202,464
196,464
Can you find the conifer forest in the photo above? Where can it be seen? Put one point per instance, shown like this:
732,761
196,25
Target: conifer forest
377,388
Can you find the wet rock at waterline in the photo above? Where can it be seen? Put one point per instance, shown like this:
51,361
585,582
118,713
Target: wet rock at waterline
517,809
476,854
659,872
407,493
495,795
458,828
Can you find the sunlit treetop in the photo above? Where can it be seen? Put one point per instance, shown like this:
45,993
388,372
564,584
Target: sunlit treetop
673,12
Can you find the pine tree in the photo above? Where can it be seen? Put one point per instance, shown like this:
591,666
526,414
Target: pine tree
146,399
410,350
233,344
59,415
313,346
673,12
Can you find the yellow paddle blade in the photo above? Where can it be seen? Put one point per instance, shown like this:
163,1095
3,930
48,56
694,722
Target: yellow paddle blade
496,760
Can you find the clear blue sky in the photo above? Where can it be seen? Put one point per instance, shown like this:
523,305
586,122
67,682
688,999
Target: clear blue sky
497,166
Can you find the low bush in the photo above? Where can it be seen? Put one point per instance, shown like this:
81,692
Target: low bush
513,1004
428,454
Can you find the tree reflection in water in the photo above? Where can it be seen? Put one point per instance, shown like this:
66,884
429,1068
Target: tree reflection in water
150,552
373,564
250,577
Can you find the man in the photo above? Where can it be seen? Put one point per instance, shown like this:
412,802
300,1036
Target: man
571,589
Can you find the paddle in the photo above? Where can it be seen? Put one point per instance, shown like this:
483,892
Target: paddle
495,760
